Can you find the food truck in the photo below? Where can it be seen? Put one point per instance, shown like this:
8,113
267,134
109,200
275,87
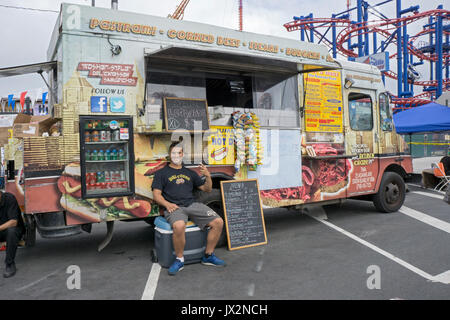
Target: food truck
123,86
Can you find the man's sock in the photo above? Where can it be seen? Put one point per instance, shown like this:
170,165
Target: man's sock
181,259
207,255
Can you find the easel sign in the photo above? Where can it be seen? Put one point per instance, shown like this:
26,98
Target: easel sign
186,114
244,219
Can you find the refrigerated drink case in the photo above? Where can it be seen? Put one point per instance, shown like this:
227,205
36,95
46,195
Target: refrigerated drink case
107,156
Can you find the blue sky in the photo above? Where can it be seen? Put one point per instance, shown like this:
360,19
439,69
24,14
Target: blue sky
25,34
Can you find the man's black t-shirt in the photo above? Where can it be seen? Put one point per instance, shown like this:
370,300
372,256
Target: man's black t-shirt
9,210
177,185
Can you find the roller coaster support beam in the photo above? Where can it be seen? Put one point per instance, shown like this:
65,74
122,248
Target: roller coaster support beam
359,21
439,53
399,51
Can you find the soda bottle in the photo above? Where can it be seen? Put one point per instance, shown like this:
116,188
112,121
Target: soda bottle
87,156
100,176
94,156
101,155
114,155
108,155
121,154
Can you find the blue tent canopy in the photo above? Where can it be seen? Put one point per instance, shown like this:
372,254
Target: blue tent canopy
427,118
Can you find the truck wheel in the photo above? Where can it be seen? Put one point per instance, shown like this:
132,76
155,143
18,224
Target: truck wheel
391,195
213,200
30,230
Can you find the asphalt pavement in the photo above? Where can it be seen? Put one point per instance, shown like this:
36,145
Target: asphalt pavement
341,252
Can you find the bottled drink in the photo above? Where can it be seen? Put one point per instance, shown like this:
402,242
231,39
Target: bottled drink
115,135
101,176
87,156
121,154
108,155
101,155
94,156
114,154
107,177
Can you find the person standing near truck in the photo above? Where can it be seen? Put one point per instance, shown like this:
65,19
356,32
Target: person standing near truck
173,188
12,229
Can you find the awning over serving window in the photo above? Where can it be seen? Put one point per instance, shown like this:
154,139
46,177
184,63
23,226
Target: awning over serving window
27,68
207,59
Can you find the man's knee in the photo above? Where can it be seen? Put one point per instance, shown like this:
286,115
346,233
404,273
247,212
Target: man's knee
13,234
12,231
178,227
216,223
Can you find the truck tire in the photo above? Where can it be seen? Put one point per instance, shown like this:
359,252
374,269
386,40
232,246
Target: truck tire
30,230
391,195
213,200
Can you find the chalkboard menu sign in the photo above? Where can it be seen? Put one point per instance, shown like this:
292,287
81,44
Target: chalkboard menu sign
186,114
244,219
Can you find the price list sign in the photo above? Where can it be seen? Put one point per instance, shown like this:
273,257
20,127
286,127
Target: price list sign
323,102
244,218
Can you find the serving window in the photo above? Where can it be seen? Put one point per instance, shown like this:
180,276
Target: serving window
273,97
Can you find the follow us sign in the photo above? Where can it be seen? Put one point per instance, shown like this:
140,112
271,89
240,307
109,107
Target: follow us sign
100,104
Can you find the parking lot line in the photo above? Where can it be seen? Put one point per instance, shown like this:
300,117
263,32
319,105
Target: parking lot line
432,221
428,194
152,282
438,278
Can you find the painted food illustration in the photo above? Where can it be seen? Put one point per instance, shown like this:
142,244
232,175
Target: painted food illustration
219,154
318,176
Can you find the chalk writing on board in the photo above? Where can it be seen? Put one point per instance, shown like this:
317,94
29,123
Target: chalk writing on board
186,114
243,214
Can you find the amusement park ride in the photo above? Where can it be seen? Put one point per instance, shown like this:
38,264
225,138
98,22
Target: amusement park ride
179,12
348,35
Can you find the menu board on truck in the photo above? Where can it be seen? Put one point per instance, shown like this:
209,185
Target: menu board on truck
323,101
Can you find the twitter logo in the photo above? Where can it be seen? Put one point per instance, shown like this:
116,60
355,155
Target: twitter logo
117,104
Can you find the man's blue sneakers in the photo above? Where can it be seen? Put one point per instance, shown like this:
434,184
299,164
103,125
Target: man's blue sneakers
212,260
175,267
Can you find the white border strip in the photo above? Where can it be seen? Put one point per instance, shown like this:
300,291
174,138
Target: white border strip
432,221
432,195
388,255
152,282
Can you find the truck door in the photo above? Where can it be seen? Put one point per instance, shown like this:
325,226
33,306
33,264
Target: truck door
388,140
362,137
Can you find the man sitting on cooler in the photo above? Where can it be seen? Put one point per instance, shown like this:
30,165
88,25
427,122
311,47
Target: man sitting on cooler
173,188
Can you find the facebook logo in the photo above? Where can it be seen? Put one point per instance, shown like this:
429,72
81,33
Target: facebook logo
98,104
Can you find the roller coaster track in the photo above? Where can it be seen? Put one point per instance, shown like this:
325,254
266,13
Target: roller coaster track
385,27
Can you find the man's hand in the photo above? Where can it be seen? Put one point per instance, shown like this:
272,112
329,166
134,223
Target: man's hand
157,196
207,186
171,207
204,171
